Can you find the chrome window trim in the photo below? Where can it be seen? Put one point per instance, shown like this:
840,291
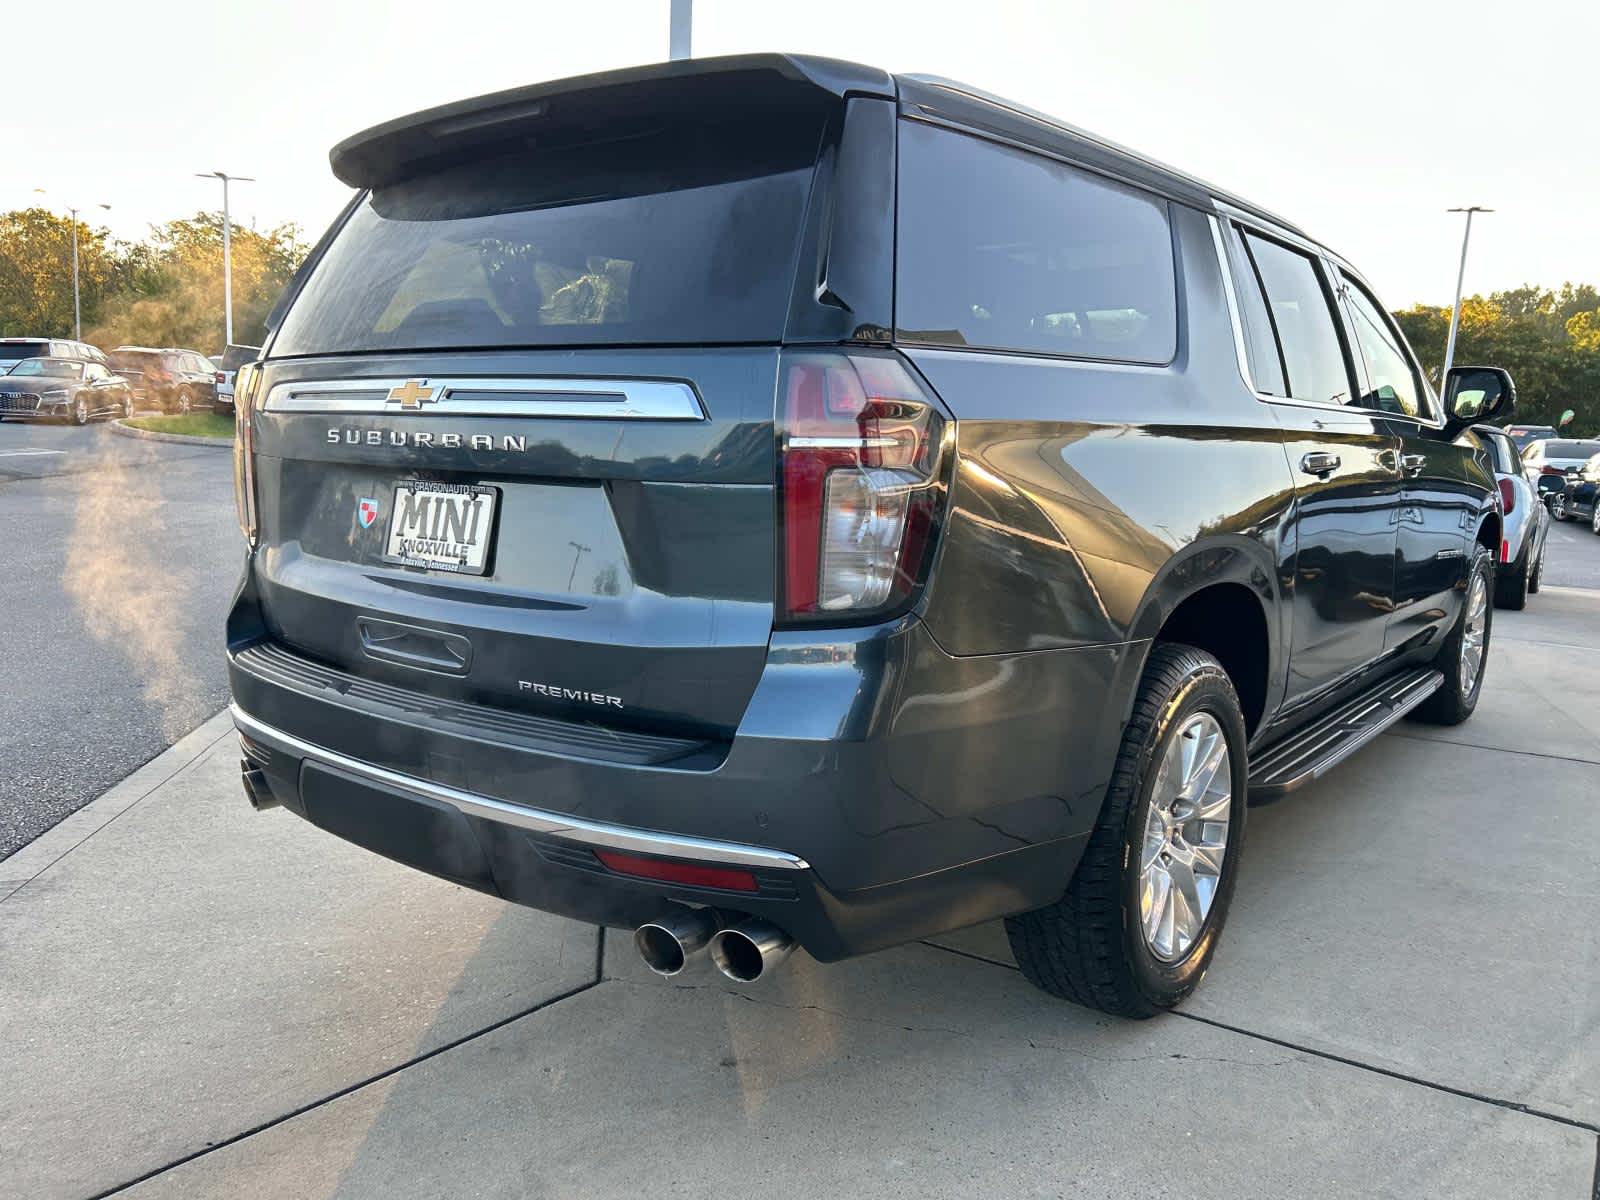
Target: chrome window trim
524,396
577,829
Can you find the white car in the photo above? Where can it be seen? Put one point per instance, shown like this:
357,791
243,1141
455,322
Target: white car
228,366
1557,457
1525,521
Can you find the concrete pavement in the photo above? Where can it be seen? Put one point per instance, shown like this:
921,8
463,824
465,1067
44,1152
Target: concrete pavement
199,1001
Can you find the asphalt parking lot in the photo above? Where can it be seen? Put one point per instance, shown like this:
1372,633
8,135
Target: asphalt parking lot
200,1001
116,565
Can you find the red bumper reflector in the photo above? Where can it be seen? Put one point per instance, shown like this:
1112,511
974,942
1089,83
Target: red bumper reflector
1505,551
729,879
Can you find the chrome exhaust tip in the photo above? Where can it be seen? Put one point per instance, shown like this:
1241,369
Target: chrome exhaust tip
256,788
748,949
667,943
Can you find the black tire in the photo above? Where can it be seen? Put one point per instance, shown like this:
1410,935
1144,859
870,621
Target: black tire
183,402
1511,585
1594,517
80,411
1089,946
1453,702
1536,576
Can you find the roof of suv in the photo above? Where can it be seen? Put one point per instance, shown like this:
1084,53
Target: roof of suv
389,152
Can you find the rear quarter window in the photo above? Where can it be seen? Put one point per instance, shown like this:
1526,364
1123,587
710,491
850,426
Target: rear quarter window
1003,249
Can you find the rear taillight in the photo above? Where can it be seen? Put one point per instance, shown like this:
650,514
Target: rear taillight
221,377
244,450
1553,471
861,484
1508,496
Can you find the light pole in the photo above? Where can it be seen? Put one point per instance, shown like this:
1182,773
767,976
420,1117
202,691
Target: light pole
678,37
227,248
1455,310
77,308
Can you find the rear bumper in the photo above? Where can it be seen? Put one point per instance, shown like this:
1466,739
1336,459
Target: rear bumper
878,789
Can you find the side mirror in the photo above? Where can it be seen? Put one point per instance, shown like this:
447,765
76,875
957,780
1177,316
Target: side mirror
1476,394
1551,483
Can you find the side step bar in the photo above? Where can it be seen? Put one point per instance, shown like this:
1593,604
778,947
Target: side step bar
1313,751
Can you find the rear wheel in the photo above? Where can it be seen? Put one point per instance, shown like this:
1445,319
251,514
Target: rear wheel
1558,506
1594,517
183,401
1142,913
1464,654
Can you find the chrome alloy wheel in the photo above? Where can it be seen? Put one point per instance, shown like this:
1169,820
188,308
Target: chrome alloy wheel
1185,837
1473,634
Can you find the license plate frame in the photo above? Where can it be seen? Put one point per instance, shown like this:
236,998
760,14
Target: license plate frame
482,532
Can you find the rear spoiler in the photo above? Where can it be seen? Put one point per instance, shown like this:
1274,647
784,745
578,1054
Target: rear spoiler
587,105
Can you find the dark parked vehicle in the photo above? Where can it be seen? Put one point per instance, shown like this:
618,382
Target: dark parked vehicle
176,380
64,389
767,501
14,349
1574,496
1526,435
1547,463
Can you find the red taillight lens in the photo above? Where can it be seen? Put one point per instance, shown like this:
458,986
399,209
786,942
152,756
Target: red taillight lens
729,879
1508,495
1505,551
221,377
860,481
1552,471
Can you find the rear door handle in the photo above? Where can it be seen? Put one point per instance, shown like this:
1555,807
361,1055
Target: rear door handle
1413,463
1319,463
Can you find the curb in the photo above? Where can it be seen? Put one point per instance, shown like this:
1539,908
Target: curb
182,439
66,835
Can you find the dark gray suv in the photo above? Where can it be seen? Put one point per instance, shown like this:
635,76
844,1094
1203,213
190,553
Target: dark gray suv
761,501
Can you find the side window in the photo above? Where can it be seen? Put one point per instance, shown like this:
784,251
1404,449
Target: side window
1393,385
1261,345
1007,250
94,372
1313,357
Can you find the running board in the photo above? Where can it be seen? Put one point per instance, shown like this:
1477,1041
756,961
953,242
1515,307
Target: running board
1315,750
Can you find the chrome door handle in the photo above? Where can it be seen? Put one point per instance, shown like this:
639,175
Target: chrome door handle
1413,463
1319,463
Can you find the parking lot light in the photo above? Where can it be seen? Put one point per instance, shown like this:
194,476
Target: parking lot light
227,248
1455,309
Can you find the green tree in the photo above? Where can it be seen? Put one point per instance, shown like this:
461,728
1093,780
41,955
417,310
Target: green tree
36,272
170,289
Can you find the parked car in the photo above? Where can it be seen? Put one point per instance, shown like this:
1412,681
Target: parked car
792,503
176,380
65,389
14,349
1525,435
232,359
1557,457
1573,497
1525,525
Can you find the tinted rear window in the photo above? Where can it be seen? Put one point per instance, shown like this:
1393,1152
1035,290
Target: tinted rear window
1006,250
1563,449
684,234
235,357
10,350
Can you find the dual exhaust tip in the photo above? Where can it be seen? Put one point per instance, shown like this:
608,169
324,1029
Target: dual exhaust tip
744,950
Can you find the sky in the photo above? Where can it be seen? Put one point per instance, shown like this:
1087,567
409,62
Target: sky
1362,121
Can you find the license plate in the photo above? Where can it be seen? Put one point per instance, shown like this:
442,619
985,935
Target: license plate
442,526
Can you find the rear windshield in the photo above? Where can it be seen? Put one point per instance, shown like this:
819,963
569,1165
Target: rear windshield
1006,250
235,357
9,350
1560,449
676,235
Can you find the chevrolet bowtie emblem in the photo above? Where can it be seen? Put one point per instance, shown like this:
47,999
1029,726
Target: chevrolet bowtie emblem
412,393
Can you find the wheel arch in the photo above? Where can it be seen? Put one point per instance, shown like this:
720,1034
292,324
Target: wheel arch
1222,596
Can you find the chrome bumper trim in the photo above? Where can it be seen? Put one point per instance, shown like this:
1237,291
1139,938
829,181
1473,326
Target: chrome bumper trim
576,829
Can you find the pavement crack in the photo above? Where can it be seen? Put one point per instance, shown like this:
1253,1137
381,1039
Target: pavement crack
358,1085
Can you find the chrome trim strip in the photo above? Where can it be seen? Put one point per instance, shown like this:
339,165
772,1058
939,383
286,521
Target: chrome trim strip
1233,305
577,829
531,396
